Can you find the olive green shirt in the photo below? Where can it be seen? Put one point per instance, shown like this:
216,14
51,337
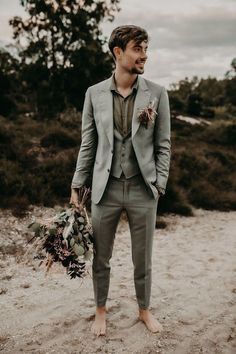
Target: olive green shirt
123,107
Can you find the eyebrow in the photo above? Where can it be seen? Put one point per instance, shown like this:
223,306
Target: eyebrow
139,46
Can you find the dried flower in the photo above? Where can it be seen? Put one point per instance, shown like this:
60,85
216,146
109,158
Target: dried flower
147,114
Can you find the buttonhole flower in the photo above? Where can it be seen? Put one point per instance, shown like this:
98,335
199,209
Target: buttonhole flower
147,114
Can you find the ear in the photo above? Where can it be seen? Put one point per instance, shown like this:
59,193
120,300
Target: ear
117,52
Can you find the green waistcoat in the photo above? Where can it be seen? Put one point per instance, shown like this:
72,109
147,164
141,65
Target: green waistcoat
124,158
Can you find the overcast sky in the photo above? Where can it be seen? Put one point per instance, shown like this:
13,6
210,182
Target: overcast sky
187,37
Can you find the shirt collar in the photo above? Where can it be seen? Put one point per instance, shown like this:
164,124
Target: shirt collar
114,88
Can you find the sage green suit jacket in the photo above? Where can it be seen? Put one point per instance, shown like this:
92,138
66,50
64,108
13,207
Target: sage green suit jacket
152,146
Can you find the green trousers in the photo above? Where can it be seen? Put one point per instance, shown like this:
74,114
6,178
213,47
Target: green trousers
133,196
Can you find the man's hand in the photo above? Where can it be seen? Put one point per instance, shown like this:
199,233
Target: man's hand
160,190
74,199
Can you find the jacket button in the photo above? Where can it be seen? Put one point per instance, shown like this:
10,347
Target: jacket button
112,151
108,170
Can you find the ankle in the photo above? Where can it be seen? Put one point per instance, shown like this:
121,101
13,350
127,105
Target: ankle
144,311
101,309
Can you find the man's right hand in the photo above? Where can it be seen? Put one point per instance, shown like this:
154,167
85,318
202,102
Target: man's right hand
74,199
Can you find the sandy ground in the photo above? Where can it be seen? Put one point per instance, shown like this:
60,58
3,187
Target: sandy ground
193,293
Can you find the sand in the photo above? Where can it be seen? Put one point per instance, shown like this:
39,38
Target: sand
193,293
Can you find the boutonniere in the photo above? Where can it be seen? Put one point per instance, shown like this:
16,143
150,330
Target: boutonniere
147,114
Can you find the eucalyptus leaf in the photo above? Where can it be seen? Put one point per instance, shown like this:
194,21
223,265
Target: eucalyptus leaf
79,250
72,242
88,255
86,236
34,227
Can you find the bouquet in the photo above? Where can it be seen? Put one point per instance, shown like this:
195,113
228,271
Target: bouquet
67,238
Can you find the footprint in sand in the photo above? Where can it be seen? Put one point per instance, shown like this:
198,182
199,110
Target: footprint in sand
122,286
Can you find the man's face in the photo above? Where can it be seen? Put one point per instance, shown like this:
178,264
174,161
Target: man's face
133,58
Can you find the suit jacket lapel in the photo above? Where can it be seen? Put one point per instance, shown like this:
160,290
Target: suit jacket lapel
141,101
106,106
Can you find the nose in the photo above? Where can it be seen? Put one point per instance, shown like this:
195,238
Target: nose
144,55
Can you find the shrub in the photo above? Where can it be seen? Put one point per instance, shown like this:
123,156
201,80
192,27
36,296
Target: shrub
207,196
223,134
202,171
175,200
58,139
7,145
70,118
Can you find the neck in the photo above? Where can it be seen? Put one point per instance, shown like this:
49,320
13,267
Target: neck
124,80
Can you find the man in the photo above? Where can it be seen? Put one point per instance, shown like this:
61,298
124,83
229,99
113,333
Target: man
129,164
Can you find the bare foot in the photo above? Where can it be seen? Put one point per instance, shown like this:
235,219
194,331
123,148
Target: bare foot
99,324
151,323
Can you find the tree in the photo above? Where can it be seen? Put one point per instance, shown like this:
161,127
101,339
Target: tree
185,97
185,87
232,72
62,44
212,91
230,87
9,67
194,104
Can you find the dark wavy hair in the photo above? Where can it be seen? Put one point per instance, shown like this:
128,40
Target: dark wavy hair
121,35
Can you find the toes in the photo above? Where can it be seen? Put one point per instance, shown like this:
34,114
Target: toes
98,330
154,327
157,328
101,332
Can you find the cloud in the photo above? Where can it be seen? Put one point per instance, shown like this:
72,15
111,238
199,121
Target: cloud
212,26
200,40
208,26
187,37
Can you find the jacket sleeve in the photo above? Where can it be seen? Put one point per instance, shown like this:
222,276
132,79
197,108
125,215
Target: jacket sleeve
162,143
88,147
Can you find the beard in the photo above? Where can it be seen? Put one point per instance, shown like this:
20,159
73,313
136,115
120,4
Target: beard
137,70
